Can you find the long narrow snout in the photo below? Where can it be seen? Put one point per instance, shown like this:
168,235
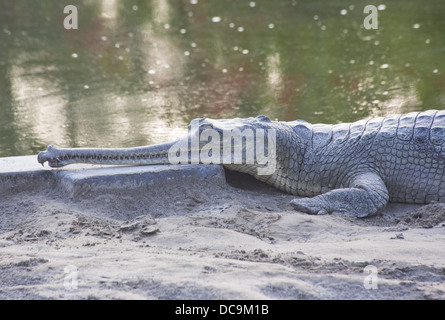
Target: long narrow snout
59,157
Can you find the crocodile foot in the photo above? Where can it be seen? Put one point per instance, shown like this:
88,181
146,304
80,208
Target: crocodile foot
366,196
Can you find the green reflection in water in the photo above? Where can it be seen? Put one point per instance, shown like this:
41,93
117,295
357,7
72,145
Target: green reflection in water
136,72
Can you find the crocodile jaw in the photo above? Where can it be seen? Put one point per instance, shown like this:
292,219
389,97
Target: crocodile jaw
59,157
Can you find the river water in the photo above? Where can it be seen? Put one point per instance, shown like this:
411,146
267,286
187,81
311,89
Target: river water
137,72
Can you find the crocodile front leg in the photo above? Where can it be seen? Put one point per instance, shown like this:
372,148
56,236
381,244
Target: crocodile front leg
366,196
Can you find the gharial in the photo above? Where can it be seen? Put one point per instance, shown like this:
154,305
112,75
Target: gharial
351,168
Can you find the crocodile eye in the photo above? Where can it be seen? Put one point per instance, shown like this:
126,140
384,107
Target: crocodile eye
204,126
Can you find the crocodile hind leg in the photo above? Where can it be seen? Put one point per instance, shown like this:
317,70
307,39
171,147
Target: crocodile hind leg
366,196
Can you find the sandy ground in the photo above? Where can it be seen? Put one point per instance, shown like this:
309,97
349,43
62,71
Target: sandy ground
240,240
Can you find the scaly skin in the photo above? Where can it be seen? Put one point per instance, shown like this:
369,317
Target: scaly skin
352,168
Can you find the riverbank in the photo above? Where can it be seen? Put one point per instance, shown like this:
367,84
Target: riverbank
86,232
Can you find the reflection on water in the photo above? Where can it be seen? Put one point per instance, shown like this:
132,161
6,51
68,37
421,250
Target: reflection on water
137,72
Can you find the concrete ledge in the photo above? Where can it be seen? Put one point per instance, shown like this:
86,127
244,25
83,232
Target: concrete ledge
22,173
18,173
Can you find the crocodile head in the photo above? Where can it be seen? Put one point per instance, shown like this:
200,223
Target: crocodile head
229,141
